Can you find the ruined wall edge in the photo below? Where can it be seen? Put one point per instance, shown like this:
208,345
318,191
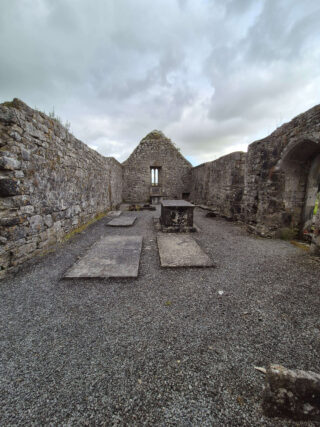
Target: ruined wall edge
50,183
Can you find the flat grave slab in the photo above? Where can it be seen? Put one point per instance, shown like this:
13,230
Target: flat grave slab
181,250
122,221
114,214
111,256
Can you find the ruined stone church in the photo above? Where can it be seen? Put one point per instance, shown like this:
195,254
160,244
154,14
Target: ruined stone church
52,185
155,170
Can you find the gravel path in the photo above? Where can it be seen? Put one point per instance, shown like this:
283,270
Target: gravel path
164,349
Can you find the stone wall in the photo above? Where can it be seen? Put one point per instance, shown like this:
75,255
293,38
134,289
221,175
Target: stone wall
50,183
274,187
155,150
315,243
282,178
219,184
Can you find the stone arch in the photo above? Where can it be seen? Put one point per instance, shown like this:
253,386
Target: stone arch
300,163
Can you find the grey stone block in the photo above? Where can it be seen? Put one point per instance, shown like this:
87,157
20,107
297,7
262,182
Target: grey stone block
292,394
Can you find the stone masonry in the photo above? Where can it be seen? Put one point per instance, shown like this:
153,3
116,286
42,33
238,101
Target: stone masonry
283,177
50,183
275,187
155,150
220,184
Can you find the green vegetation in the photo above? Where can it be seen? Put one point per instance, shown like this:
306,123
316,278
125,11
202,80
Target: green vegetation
84,226
53,116
300,245
8,104
316,206
288,233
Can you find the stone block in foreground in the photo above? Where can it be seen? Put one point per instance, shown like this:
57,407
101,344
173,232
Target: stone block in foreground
292,394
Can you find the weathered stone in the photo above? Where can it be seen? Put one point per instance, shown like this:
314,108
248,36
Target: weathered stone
48,221
28,209
9,163
15,135
292,394
36,223
155,151
7,115
75,221
114,214
25,154
3,240
112,256
122,221
25,250
4,261
181,250
274,186
220,185
19,174
177,215
64,180
8,187
9,222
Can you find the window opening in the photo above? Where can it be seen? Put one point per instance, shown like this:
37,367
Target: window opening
154,176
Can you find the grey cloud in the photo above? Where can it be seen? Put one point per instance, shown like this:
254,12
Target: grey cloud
212,75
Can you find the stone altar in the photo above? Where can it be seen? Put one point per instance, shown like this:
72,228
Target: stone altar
177,216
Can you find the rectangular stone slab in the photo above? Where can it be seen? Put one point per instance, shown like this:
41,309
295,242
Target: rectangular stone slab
181,250
177,203
122,221
111,256
114,214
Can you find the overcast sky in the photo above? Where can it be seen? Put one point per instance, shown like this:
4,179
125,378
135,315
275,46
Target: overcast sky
213,75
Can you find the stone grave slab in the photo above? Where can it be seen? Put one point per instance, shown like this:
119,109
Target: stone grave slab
122,221
181,250
114,214
111,256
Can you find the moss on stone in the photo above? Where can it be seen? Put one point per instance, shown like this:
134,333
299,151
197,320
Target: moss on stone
300,245
82,227
8,104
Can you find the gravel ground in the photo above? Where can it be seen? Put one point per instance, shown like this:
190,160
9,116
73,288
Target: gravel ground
164,349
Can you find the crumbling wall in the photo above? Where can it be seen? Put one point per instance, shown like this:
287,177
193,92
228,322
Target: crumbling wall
50,183
219,184
274,187
278,167
155,150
